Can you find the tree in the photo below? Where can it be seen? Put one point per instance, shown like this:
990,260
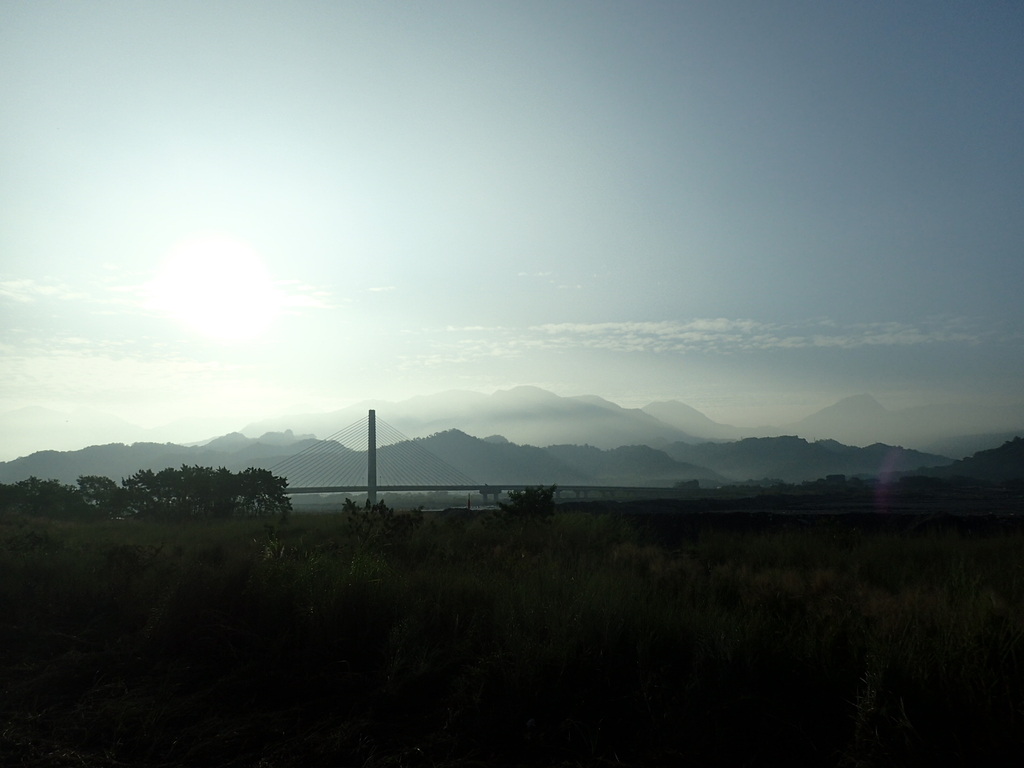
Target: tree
188,493
200,493
102,494
530,504
262,493
143,497
45,498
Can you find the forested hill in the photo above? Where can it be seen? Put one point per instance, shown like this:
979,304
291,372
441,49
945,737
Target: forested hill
486,461
118,460
795,460
996,465
500,462
632,465
495,460
490,461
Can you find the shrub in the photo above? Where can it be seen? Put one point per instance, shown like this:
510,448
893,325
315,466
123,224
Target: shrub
378,523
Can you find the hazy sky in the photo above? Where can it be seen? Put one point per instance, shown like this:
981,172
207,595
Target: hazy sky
756,208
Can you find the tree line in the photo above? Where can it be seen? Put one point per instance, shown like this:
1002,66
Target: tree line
188,493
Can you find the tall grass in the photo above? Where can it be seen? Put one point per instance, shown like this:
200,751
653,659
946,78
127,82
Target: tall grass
579,641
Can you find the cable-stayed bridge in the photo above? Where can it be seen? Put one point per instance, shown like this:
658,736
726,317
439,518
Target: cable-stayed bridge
370,456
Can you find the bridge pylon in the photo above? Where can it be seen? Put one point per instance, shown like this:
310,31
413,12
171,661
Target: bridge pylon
368,456
371,457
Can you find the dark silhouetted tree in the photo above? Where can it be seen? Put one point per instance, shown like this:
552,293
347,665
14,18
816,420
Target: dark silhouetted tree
102,494
529,504
45,498
199,493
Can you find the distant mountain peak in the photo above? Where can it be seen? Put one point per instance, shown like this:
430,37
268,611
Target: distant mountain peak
676,406
690,420
858,419
595,400
863,403
526,392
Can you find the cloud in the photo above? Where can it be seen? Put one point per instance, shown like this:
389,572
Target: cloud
738,335
75,368
696,336
292,294
157,380
105,296
27,291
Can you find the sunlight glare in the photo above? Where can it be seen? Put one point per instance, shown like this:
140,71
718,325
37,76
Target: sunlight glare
218,286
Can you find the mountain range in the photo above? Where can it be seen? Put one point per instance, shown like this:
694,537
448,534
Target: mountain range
996,465
491,461
793,459
860,420
31,429
533,416
496,460
117,460
526,415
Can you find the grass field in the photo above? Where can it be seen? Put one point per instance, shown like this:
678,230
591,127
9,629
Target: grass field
466,642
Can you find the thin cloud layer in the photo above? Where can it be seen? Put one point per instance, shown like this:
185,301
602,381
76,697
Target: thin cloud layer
701,335
26,291
287,295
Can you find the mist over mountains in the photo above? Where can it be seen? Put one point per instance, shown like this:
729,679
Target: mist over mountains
588,440
495,460
530,415
117,460
860,420
524,415
27,430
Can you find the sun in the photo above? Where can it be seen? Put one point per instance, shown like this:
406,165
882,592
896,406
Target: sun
217,285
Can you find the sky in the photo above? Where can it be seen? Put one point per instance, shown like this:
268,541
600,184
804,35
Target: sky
235,210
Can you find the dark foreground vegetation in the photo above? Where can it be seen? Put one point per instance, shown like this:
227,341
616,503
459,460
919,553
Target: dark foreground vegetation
186,494
370,638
